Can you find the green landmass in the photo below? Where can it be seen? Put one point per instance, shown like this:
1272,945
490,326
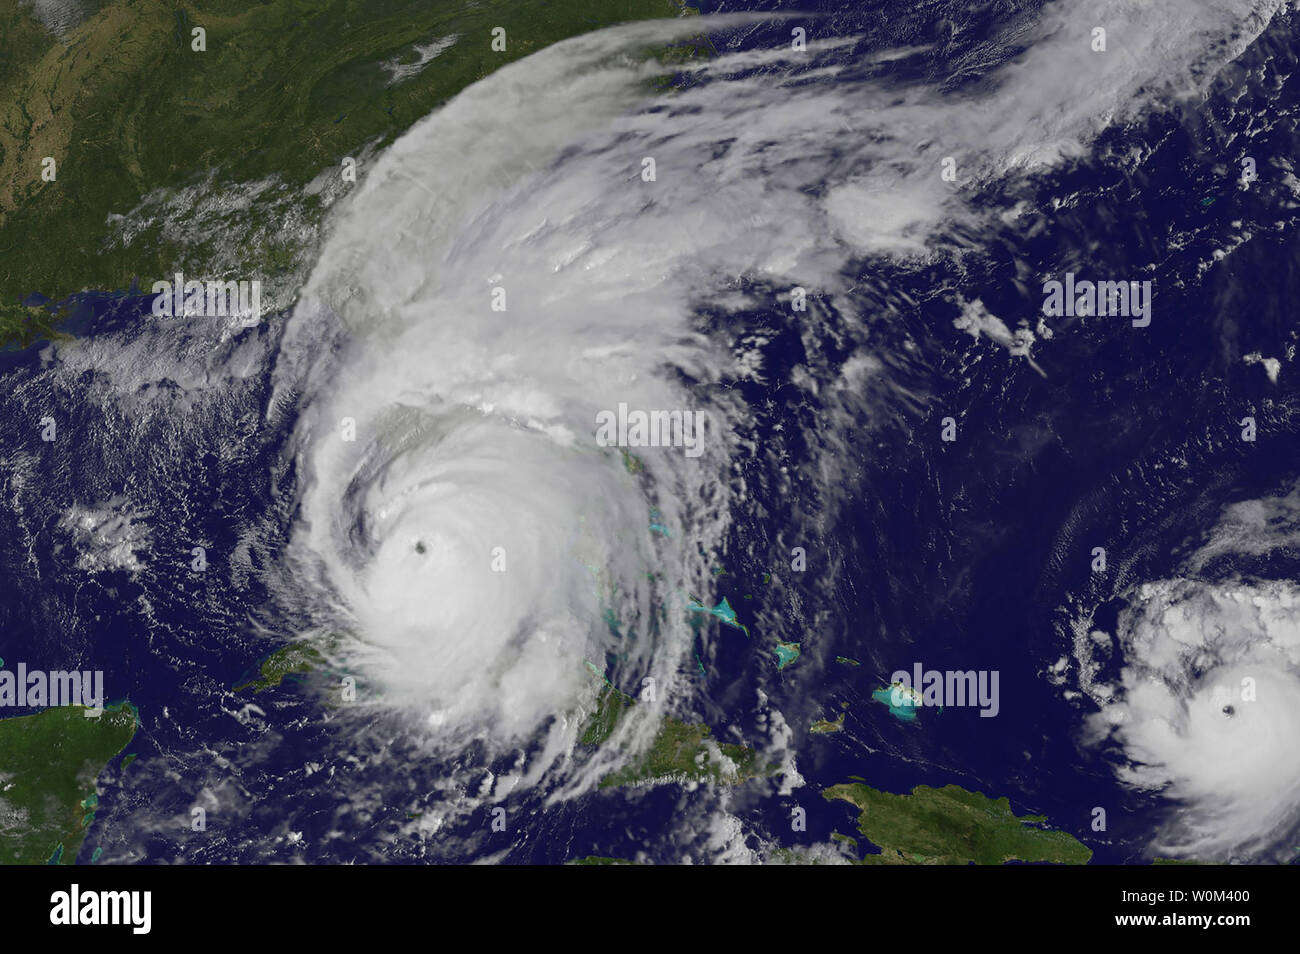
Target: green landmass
951,826
160,150
598,860
610,705
631,462
685,751
826,726
294,658
49,762
681,750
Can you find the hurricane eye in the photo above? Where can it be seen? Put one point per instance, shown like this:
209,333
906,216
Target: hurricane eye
420,547
1228,710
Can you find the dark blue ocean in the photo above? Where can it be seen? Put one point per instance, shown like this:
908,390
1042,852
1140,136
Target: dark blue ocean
958,555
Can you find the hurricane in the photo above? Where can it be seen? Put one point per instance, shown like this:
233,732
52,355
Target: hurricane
1206,705
625,409
547,248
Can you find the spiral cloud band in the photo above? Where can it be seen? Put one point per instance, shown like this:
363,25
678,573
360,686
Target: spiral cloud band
513,268
1206,706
